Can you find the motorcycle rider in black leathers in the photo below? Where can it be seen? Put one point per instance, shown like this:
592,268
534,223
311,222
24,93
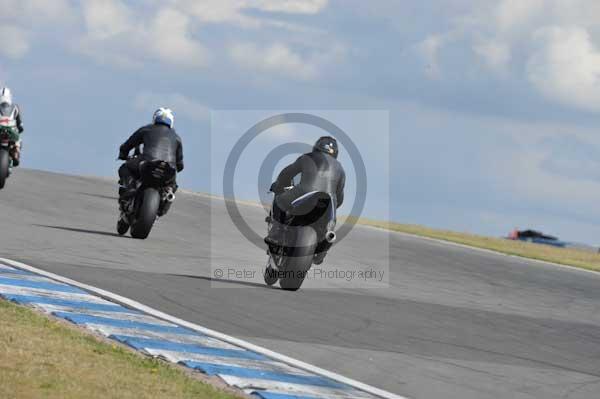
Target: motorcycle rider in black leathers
159,141
320,171
10,117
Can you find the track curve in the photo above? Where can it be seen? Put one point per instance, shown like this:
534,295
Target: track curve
454,323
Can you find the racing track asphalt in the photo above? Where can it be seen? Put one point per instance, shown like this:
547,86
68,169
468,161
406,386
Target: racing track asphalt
454,323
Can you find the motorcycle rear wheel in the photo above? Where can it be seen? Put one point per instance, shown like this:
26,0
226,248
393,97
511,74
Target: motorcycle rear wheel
147,212
4,166
298,261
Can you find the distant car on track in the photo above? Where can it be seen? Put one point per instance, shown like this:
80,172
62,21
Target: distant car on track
536,237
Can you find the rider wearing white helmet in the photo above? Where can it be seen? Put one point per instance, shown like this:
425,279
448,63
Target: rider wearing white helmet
10,117
164,116
160,142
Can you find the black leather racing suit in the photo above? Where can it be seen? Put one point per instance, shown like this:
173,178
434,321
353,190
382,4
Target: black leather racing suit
319,172
159,141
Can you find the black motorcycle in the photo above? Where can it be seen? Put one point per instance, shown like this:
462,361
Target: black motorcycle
152,198
306,233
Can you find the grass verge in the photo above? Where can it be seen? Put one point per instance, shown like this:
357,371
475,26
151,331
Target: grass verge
45,358
565,256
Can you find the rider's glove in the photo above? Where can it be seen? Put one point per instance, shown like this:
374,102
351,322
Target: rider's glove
123,156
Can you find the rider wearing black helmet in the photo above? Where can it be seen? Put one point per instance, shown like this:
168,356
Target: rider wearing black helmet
319,170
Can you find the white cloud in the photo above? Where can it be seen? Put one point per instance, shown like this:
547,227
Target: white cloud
429,49
234,10
37,10
276,58
20,19
172,40
552,42
281,133
566,67
130,34
300,52
15,42
488,31
218,11
106,19
511,15
119,35
496,54
179,103
290,6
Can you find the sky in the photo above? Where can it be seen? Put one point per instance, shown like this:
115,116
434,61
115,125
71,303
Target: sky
486,112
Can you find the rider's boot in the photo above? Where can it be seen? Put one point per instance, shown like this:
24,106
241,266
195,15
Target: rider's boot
126,190
319,257
275,219
16,155
321,252
275,234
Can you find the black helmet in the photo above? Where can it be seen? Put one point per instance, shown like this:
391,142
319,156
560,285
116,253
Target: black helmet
328,145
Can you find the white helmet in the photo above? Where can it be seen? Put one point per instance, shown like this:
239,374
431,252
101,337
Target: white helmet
164,116
5,96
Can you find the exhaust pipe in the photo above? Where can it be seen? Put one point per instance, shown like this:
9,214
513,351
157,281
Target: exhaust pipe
169,196
330,237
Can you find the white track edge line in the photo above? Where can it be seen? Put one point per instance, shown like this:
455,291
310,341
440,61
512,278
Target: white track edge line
215,334
483,250
416,236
